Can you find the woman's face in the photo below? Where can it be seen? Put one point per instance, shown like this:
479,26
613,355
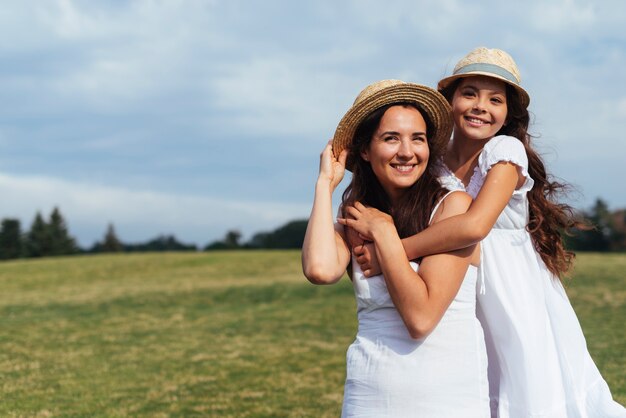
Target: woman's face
479,108
398,152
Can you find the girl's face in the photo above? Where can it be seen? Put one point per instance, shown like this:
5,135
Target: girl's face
398,152
479,107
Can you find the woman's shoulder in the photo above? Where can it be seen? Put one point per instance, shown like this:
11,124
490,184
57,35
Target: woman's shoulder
452,203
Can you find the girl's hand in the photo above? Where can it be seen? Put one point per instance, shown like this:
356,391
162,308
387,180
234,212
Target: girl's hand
353,237
365,255
366,221
331,168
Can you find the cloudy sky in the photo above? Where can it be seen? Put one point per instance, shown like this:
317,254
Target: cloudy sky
196,117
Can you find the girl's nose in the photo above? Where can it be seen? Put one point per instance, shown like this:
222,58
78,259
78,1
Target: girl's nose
479,104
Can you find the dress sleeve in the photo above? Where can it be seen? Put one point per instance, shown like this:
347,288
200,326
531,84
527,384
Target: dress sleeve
506,149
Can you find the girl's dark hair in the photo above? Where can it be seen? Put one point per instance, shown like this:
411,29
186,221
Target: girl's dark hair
547,217
411,213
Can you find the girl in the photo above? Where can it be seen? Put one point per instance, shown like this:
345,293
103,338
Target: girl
420,349
539,365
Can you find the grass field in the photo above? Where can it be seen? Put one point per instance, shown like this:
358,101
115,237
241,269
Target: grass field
224,334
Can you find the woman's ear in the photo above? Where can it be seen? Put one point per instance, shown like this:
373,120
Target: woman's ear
365,156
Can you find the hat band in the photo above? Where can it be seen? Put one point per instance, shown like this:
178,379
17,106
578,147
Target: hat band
488,68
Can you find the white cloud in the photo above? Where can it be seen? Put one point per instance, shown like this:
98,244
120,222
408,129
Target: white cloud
138,214
279,96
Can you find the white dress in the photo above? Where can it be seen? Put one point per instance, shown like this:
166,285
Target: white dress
390,374
539,365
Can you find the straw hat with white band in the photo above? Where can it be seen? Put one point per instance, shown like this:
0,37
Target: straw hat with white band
492,63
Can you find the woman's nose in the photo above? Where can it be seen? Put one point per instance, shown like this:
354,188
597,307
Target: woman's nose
405,149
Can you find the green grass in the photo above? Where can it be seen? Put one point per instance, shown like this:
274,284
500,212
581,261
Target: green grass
224,334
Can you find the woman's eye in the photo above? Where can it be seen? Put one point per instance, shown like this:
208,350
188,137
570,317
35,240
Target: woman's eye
390,138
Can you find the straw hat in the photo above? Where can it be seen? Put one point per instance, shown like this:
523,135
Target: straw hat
430,102
492,63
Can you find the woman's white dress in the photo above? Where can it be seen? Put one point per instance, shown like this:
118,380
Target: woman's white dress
539,365
390,374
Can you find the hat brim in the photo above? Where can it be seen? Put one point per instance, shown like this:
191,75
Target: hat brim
427,100
524,97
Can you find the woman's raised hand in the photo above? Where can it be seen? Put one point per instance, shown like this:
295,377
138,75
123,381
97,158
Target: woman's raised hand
332,168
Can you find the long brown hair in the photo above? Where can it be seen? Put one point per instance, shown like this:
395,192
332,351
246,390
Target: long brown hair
547,217
411,214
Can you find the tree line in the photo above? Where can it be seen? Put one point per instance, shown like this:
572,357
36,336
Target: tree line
51,237
606,232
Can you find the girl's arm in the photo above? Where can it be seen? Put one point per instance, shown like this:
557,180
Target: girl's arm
423,297
457,231
325,254
474,225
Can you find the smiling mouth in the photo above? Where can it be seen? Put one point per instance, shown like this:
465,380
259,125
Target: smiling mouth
404,168
476,121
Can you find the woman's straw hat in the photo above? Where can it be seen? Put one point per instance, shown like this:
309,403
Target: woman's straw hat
431,103
492,63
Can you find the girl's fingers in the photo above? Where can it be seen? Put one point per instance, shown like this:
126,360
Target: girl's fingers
346,222
359,206
353,211
358,251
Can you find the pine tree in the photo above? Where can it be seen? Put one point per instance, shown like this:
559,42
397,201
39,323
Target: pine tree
38,243
61,242
110,243
11,242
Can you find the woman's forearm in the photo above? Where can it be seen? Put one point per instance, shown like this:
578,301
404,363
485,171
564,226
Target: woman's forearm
324,253
408,291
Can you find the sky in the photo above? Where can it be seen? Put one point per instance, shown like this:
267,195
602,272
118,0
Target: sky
194,118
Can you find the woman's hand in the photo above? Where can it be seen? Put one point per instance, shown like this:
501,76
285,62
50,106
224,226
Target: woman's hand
331,168
366,221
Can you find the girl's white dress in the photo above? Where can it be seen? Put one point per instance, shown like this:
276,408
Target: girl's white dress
390,374
539,365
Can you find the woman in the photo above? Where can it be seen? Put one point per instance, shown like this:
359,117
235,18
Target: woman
419,350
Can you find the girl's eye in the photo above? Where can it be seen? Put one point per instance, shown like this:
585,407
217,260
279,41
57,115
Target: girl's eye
497,100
